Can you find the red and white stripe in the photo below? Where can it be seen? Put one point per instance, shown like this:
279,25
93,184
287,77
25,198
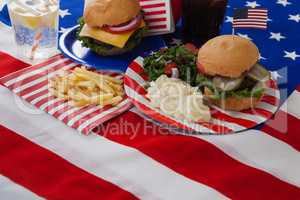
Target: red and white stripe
157,15
32,85
222,121
257,18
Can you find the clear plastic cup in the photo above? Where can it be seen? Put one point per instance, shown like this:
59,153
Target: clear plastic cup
35,24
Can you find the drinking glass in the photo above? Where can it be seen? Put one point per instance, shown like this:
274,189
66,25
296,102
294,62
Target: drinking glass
202,19
35,24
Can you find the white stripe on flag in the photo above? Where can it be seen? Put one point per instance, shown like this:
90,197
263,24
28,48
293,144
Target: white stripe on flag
10,190
121,165
262,151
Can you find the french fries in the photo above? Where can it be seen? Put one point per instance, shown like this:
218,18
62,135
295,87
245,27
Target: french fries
82,88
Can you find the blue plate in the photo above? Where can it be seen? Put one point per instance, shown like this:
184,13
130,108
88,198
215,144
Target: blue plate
72,49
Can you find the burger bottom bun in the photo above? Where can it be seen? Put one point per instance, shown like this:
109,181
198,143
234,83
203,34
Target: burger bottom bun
233,103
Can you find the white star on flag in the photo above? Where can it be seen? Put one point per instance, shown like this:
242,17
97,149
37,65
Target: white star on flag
229,19
275,75
63,13
175,41
276,36
295,18
63,30
292,55
244,36
283,2
261,57
252,4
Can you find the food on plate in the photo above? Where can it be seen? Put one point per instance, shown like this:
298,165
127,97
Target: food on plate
111,27
230,74
226,71
166,59
178,99
82,88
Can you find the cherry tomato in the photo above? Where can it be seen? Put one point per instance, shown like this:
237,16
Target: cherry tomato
169,67
192,48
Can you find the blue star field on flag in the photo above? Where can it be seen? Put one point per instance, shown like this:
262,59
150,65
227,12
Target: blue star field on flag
279,44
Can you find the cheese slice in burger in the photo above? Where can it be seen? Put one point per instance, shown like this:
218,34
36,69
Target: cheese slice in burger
115,39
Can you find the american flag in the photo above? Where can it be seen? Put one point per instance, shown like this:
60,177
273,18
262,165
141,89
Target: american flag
250,18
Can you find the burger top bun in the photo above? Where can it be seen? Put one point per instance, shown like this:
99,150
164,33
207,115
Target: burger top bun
110,12
227,56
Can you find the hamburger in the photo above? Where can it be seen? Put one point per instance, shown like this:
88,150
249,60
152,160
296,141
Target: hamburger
111,27
229,72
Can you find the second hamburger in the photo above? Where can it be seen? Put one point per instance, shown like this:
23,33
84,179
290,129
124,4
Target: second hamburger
230,74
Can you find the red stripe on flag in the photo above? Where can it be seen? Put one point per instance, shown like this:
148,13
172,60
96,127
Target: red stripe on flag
159,12
250,22
155,5
157,26
298,88
257,10
49,175
257,14
8,65
199,161
149,20
257,17
249,26
285,127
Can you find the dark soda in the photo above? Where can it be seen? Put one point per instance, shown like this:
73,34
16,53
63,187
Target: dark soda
202,20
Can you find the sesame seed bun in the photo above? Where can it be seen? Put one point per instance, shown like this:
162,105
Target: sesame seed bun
110,12
227,56
233,103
